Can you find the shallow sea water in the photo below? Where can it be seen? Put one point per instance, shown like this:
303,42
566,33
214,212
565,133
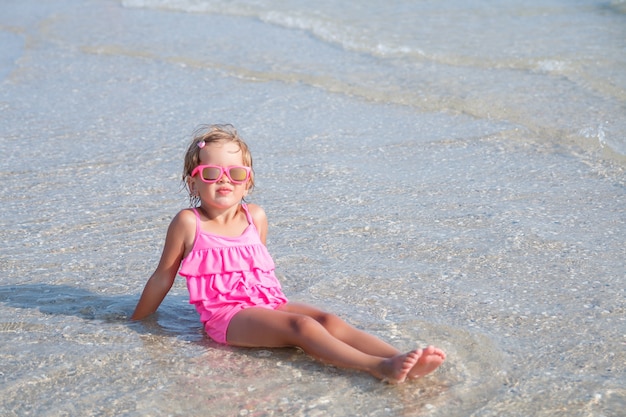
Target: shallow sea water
497,240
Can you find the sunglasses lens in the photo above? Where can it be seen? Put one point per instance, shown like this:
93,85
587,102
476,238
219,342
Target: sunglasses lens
238,174
211,174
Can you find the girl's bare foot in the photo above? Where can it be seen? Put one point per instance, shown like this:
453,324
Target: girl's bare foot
396,369
430,358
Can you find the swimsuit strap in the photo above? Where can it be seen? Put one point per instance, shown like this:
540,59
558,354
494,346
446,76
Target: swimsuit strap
195,210
248,215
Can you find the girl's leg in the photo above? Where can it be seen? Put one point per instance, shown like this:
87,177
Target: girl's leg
260,327
430,357
356,338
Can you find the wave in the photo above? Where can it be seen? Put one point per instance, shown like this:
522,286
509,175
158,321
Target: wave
550,68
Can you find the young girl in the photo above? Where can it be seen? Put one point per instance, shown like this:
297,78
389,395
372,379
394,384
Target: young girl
219,247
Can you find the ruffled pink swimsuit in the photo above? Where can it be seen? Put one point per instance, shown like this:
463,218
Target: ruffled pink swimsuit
227,274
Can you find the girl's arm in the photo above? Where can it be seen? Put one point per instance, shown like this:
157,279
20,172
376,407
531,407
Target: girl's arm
180,235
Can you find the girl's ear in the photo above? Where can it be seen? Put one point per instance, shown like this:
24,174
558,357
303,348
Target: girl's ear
248,186
191,184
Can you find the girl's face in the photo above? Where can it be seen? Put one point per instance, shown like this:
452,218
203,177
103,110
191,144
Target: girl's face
223,193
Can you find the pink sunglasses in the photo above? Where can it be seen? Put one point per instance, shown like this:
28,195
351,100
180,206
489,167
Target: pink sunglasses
213,173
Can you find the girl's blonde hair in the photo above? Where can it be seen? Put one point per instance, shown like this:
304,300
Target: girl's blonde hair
211,134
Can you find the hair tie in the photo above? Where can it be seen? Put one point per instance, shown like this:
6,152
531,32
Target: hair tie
201,144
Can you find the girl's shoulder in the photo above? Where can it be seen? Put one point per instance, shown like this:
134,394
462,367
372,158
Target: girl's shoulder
185,220
187,215
257,212
183,229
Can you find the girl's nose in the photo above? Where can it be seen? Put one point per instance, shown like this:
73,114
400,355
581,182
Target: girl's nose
224,178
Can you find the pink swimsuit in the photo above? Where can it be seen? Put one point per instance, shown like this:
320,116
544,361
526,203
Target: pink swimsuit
227,274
